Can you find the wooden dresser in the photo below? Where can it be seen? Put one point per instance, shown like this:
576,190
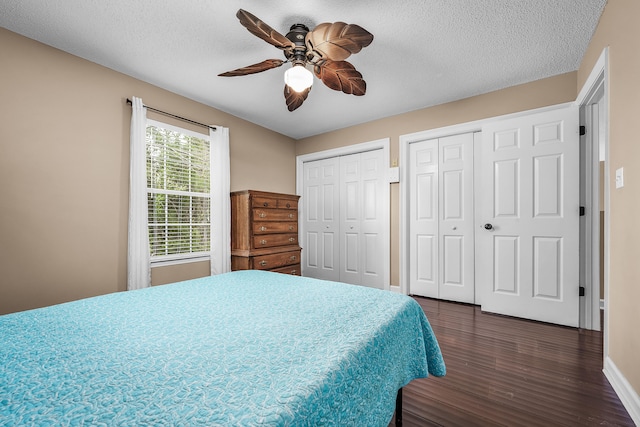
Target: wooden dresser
264,232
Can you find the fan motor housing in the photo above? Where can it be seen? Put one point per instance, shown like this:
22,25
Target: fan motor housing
297,34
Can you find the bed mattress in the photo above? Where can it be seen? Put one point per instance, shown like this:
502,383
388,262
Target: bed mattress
247,348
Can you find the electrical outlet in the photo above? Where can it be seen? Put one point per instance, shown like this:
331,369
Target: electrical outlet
394,175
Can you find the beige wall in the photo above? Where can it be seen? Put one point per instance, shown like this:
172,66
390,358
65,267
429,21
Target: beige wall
619,30
541,93
64,132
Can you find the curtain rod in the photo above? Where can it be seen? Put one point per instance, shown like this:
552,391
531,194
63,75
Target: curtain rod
174,116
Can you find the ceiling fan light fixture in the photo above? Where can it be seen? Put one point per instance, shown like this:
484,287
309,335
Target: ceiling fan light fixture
298,78
325,49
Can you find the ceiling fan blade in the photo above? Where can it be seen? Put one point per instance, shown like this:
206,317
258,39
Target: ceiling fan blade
262,30
341,76
294,99
337,41
255,68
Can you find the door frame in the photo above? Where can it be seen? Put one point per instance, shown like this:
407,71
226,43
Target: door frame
598,79
378,144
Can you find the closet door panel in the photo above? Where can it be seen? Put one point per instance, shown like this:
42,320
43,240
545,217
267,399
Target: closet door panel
452,261
350,217
426,249
330,254
373,179
423,223
320,219
457,281
362,177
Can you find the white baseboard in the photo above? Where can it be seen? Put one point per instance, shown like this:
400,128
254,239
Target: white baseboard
628,396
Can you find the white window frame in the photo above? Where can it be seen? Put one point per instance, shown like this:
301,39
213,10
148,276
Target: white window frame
219,203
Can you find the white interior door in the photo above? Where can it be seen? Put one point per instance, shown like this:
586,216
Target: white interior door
441,226
321,189
528,208
362,237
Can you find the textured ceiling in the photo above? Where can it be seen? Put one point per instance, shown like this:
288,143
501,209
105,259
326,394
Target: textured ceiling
425,52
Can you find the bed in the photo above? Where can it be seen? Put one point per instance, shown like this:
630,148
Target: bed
247,348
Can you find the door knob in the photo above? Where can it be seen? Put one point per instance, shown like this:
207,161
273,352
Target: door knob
488,226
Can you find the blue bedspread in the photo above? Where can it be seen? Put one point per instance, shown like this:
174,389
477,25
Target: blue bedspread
239,349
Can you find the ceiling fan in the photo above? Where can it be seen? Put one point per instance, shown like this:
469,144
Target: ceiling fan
325,49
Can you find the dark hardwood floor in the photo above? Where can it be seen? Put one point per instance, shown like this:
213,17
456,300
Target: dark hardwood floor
503,371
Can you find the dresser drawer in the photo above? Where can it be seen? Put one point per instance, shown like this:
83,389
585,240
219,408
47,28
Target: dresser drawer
270,203
274,227
264,202
287,204
274,215
293,270
269,262
269,240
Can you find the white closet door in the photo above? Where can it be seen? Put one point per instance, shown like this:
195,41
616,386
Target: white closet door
374,240
528,249
350,216
456,208
362,247
321,192
423,224
441,232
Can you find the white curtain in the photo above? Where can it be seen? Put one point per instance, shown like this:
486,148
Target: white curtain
220,201
138,266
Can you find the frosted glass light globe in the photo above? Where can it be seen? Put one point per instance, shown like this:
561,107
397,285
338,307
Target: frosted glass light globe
298,78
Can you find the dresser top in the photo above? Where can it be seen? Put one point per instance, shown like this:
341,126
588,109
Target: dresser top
265,194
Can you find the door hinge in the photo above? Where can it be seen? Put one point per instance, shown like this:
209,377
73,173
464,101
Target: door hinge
582,211
583,130
581,291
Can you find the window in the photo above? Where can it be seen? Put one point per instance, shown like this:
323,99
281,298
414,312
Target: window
178,193
186,206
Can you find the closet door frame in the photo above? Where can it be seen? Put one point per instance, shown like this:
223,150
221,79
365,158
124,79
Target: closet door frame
380,144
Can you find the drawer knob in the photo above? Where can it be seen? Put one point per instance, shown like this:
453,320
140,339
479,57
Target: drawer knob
263,228
292,239
291,228
263,242
288,205
262,215
263,263
290,215
294,272
293,258
265,204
